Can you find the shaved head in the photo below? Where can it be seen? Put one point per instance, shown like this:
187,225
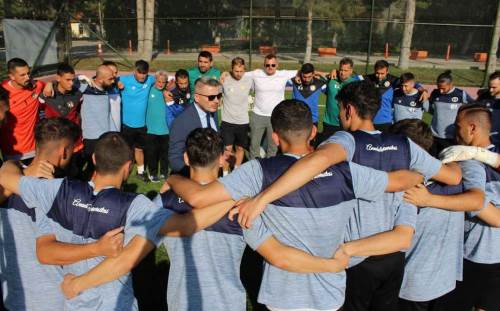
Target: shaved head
103,70
476,114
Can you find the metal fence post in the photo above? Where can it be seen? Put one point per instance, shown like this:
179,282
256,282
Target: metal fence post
370,39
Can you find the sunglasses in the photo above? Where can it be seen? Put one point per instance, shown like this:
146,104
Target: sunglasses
211,97
270,65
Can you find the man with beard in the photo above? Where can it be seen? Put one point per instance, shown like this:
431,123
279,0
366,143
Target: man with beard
95,112
491,98
17,134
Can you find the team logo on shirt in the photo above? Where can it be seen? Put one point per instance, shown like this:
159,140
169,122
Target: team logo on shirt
454,99
370,147
89,207
145,86
387,83
399,101
180,200
133,87
312,88
152,95
188,96
300,87
413,104
71,104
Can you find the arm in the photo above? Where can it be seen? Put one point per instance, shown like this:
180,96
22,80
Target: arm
49,251
110,269
469,200
196,195
383,243
449,174
462,153
198,219
490,215
402,180
294,260
10,176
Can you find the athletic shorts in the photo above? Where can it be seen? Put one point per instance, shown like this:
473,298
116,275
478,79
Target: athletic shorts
235,134
374,284
135,137
480,288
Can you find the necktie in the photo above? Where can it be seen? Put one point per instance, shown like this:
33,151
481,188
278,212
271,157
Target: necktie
208,120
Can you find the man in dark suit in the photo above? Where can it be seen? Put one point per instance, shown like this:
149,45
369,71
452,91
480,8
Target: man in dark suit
201,114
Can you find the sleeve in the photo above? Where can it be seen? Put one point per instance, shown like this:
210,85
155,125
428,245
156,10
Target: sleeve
417,85
43,225
257,234
289,74
467,98
176,145
169,116
368,183
406,214
245,181
324,88
422,162
425,105
346,140
39,193
158,201
145,219
474,177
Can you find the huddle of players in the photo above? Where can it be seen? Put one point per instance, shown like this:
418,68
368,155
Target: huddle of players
314,213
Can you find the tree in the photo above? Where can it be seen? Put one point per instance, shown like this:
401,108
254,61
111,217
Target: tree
307,56
407,34
140,26
492,56
149,30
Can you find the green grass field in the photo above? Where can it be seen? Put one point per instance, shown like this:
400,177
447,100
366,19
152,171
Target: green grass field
462,77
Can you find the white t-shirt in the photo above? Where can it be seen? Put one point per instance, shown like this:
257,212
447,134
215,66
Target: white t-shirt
269,90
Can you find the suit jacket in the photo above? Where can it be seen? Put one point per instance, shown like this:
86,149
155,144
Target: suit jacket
184,124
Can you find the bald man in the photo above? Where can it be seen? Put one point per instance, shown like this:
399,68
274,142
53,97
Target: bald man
481,270
95,112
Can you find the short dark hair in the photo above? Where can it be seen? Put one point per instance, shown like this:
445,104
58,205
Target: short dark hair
55,129
64,68
109,63
206,54
346,61
270,56
181,73
363,95
307,68
290,117
445,77
111,153
407,76
142,66
15,62
204,146
493,76
415,129
4,97
380,64
237,61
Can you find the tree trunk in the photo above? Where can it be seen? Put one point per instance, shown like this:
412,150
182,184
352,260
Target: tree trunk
140,26
307,56
407,34
149,30
492,55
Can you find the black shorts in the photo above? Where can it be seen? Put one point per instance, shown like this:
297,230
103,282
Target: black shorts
235,134
374,284
480,288
135,137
